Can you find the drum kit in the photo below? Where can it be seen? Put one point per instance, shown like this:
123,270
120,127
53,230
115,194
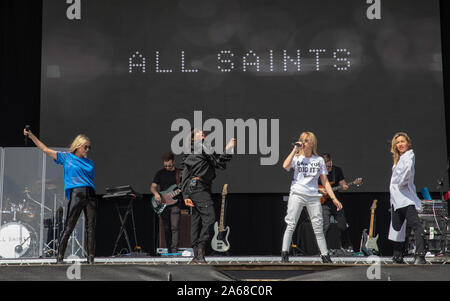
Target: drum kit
18,238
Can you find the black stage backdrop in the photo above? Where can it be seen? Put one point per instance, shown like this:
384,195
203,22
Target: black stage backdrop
252,232
226,59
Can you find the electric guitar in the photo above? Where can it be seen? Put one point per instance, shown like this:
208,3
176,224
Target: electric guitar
368,242
219,242
325,197
167,199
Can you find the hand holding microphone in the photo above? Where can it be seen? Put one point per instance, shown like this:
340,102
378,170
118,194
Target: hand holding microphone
297,145
26,132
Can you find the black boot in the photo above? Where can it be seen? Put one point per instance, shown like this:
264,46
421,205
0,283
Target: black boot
201,253
419,259
90,221
326,258
284,256
60,259
62,248
398,259
90,259
194,258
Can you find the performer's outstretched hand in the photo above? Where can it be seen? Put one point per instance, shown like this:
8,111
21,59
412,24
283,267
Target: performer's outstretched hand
231,144
189,202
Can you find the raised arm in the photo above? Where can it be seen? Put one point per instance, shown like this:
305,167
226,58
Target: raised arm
287,164
220,161
39,144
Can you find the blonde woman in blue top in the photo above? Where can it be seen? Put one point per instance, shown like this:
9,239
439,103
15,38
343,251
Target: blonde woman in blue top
79,189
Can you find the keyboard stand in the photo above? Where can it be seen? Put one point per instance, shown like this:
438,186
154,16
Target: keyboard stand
119,195
123,220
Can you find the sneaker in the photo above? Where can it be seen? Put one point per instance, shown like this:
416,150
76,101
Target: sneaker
284,256
419,259
326,258
398,259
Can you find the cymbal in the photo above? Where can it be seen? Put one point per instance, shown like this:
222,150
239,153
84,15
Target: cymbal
47,181
50,184
38,189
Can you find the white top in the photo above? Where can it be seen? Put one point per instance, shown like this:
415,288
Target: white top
402,188
306,174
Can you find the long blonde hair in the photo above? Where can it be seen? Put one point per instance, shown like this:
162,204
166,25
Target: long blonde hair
79,141
394,150
313,139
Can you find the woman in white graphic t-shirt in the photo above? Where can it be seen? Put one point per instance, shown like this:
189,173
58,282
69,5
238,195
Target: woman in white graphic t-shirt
308,167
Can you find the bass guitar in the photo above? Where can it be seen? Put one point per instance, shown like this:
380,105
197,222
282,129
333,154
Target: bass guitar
167,199
369,244
219,242
325,196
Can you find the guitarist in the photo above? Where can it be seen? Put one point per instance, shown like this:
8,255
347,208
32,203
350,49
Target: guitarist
336,178
164,178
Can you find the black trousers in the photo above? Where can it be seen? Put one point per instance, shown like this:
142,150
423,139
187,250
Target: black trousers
203,218
81,199
412,220
329,209
171,223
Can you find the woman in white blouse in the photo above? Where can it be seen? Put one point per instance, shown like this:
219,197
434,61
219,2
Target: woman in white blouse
404,201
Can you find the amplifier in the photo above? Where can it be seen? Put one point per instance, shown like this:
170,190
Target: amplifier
434,225
435,207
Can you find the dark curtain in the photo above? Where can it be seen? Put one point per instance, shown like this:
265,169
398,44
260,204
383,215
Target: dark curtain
20,54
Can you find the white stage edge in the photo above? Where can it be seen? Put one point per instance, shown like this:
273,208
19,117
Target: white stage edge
223,260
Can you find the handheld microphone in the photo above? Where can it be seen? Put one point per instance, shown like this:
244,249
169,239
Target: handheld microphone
27,127
299,144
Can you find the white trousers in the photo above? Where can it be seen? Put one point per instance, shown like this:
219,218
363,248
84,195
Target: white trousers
296,203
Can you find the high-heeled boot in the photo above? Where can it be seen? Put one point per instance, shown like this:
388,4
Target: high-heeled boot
90,241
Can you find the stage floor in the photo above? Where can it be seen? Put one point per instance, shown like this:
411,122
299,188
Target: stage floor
225,260
221,268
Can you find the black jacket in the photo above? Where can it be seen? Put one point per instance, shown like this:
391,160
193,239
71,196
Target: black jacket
202,164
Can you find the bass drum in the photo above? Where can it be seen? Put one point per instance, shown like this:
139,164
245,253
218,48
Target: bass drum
16,240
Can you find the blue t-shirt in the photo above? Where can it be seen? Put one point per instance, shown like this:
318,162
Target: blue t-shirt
78,172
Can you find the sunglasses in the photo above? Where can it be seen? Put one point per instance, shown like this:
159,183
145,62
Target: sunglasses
87,147
305,141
